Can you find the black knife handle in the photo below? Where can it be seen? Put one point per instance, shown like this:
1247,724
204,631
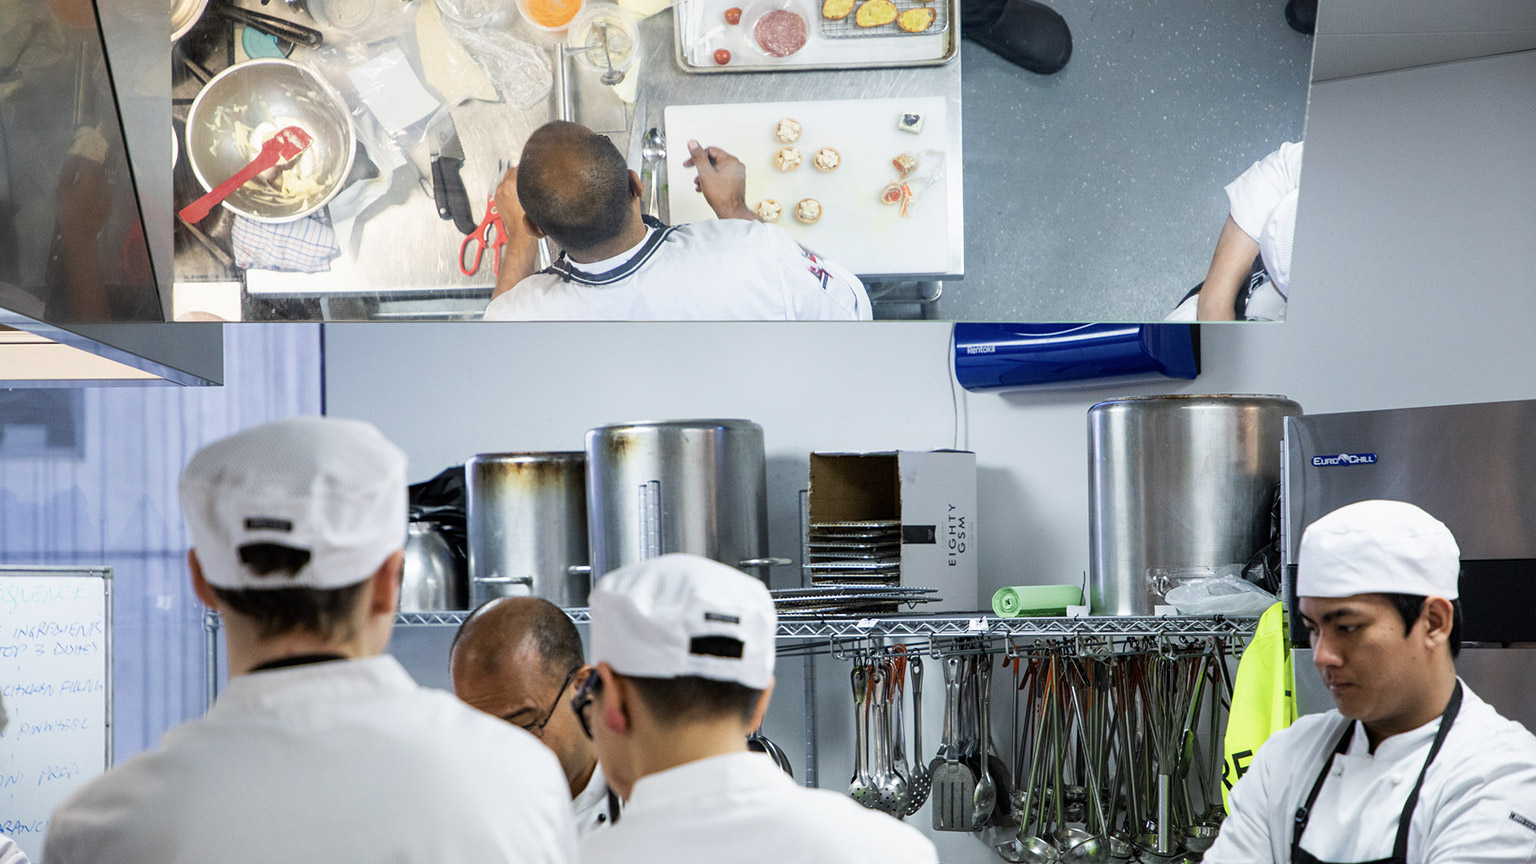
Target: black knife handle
439,194
273,25
454,195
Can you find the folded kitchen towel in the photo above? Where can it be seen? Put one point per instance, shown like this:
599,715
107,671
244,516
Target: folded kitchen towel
302,246
1016,601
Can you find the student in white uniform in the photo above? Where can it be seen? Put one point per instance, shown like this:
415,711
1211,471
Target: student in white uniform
520,659
321,748
684,649
10,853
1252,261
618,265
1413,766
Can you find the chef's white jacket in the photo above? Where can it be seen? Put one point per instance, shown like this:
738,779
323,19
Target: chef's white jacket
344,761
715,270
592,806
1478,803
1262,202
10,853
741,809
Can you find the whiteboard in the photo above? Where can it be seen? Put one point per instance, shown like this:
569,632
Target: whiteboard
56,680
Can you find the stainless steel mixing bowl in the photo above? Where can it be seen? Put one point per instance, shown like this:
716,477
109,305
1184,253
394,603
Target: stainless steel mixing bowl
249,102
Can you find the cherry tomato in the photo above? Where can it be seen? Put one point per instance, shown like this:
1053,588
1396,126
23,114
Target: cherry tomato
722,57
733,15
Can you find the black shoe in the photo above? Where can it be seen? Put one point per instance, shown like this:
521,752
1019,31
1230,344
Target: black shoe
1025,32
1302,16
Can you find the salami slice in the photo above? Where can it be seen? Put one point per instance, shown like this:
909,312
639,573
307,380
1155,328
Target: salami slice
780,32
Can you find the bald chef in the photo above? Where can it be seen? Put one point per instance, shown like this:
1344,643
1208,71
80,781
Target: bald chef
1412,767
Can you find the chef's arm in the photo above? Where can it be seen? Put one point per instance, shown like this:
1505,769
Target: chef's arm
1230,267
1485,810
1245,833
722,180
520,257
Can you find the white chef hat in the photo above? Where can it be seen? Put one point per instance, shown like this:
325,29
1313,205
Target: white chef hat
678,615
332,488
1378,547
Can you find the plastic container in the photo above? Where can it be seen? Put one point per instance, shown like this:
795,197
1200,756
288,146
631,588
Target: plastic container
600,22
551,16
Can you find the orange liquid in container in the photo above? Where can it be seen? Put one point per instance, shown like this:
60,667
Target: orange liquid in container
551,13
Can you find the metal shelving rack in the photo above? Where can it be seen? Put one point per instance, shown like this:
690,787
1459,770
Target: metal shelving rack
927,626
808,637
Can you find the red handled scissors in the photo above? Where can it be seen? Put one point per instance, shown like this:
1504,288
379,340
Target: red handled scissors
490,235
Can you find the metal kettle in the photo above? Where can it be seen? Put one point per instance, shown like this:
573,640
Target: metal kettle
432,579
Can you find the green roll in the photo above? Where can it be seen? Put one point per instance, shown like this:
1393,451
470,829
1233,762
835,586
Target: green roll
1032,601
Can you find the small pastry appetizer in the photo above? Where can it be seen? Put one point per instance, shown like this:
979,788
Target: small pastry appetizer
827,159
788,130
787,159
768,210
808,210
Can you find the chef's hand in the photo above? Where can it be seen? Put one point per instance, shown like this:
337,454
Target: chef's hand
520,257
508,204
722,180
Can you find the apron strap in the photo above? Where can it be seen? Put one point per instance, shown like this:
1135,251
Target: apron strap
1400,848
1304,813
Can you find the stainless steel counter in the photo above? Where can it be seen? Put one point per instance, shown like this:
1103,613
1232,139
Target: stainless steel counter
405,263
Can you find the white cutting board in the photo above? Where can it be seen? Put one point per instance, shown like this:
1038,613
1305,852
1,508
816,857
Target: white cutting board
855,229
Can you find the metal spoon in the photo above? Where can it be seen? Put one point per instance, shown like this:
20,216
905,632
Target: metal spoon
653,153
985,796
861,788
921,779
612,76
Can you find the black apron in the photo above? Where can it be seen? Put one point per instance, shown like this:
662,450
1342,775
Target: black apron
1400,846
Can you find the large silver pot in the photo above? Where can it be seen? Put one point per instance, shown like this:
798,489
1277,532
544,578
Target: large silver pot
1177,482
696,486
431,580
528,526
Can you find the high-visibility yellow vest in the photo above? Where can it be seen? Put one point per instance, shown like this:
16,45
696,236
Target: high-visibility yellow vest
1263,697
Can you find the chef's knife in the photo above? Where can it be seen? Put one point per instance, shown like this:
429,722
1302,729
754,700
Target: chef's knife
447,184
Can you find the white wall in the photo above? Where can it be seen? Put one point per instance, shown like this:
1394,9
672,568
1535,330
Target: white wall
1411,288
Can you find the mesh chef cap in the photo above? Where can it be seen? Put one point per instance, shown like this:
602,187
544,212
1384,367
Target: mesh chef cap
678,615
334,489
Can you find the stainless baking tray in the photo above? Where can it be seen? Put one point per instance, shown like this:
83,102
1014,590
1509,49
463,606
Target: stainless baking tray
948,12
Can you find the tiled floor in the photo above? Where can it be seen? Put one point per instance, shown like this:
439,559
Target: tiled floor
1096,194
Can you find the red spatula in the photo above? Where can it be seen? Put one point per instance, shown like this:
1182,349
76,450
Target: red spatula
285,145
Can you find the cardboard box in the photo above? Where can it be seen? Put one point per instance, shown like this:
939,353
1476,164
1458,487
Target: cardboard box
931,493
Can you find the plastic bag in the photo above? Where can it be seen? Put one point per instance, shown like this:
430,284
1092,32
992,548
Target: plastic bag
518,70
1220,595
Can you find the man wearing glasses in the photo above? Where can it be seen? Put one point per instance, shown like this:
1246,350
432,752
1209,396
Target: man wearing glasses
684,655
520,659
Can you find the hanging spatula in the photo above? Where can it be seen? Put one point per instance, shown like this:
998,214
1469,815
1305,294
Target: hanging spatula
954,786
284,146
